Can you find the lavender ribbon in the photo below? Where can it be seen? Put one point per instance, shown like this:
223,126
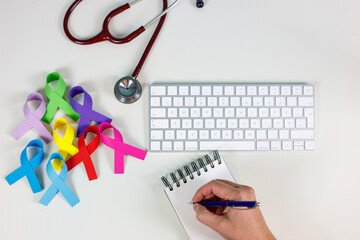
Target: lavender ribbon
33,119
85,110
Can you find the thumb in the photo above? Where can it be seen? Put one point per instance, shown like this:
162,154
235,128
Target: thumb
206,217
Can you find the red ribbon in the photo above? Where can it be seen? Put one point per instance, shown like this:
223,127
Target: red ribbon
84,153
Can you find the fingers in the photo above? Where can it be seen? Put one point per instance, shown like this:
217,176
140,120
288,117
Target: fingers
224,190
208,218
218,188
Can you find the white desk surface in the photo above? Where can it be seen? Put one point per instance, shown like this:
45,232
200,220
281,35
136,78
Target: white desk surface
303,195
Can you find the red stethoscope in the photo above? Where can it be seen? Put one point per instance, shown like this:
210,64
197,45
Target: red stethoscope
127,89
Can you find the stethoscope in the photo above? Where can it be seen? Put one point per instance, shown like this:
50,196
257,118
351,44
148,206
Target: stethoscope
127,89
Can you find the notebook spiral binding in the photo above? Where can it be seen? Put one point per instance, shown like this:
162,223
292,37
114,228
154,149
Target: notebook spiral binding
195,170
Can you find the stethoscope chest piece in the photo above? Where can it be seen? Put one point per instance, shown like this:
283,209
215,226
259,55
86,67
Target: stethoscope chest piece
127,90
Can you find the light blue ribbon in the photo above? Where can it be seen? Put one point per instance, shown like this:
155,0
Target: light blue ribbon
58,183
28,166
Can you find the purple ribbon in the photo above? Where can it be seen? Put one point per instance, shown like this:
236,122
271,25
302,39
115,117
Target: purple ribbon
85,110
33,119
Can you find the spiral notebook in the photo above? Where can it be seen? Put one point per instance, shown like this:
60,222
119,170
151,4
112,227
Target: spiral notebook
186,181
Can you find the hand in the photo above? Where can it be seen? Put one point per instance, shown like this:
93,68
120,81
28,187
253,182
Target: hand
232,224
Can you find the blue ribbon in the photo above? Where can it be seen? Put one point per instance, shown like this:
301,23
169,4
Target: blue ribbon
28,166
58,183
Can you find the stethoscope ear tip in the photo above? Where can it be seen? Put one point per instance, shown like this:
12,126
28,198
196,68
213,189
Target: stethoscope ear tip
127,90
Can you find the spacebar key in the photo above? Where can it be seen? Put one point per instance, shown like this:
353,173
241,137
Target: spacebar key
227,145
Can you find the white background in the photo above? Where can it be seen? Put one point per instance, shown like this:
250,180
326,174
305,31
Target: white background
303,195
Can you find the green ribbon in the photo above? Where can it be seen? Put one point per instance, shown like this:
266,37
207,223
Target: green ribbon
56,99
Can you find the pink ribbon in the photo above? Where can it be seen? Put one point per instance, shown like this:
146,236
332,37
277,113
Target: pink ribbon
33,119
121,148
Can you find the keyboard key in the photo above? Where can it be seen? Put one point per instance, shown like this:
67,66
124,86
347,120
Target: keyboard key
156,134
273,134
263,90
262,146
166,101
195,112
234,101
195,90
180,134
280,101
249,134
252,112
186,123
274,90
229,112
183,112
206,90
200,101
215,134
260,134
302,134
306,101
275,112
158,113
269,101
218,112
175,123
266,123
229,90
172,112
218,90
232,123
178,101
285,90
289,123
155,146
189,101
308,90
309,145
157,90
172,90
212,102
192,134
238,134
287,145
159,123
198,123
192,146
178,146
169,134
226,134
291,101
241,112
220,123
278,123
286,112
227,145
255,123
166,146
209,123
258,101
155,101
204,134
284,134
244,123
206,112
240,90
183,90
297,90
263,112
300,123
223,101
297,112
246,101
275,146
251,90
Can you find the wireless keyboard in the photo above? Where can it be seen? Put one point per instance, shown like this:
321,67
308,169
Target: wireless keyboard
231,117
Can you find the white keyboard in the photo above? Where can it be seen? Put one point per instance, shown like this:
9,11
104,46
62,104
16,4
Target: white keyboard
231,117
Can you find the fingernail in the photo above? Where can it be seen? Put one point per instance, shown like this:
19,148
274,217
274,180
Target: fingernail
208,197
195,207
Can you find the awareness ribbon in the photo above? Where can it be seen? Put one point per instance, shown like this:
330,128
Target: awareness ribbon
56,99
33,119
85,110
120,147
58,183
84,153
64,144
28,167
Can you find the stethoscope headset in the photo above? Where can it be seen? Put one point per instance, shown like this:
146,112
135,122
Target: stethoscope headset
127,89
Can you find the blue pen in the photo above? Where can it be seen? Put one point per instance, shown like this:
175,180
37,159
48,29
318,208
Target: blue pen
231,204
